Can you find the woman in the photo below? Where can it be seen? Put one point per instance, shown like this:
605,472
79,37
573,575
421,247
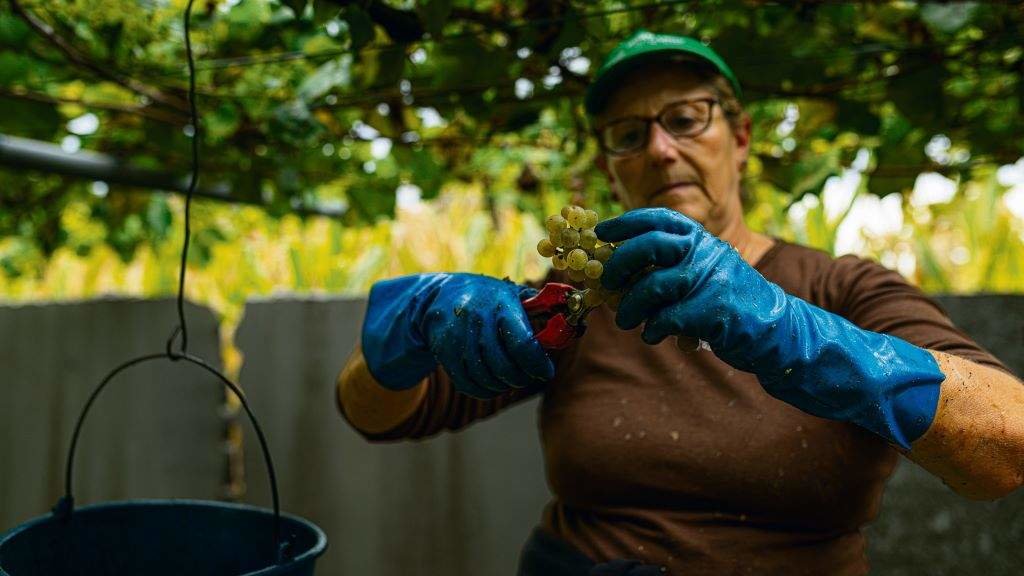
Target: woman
764,455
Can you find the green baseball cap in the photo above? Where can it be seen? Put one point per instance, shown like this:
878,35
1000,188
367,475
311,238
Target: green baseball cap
644,46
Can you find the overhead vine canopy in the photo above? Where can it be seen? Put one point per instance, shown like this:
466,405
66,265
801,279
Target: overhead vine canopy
337,103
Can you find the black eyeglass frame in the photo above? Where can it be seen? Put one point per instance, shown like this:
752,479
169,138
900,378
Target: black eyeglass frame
659,118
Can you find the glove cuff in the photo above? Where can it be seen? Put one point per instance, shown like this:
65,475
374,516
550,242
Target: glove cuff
395,350
835,369
914,399
398,321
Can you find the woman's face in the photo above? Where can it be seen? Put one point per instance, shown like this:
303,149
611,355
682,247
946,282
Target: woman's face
700,176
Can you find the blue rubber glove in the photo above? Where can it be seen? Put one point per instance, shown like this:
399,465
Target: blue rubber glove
474,326
804,355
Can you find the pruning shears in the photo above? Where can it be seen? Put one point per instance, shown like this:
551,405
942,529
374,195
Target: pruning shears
557,313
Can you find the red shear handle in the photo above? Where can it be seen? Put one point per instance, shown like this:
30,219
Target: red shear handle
557,333
551,299
550,305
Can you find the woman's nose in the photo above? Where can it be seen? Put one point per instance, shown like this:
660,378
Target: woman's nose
661,146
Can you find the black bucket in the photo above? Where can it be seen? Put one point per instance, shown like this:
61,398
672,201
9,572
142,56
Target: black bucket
162,537
159,538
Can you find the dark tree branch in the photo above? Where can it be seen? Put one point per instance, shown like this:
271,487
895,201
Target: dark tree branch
23,154
402,26
144,111
79,59
488,21
829,89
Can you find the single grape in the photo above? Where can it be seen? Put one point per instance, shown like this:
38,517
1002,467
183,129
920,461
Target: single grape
555,223
570,238
566,210
577,217
603,253
592,283
577,259
545,248
591,219
559,262
593,268
555,238
588,239
584,219
577,275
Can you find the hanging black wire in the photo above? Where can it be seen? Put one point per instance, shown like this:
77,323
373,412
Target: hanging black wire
182,327
65,506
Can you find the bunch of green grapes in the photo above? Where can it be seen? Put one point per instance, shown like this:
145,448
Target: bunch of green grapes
573,246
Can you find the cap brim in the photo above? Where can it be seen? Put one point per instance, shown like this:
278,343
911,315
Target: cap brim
598,93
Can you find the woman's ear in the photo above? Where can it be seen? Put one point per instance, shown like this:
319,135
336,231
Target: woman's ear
602,165
742,138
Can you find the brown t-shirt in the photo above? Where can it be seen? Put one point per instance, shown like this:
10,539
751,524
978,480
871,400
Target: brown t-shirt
679,460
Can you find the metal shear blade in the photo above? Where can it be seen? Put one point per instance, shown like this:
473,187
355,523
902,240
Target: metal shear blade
557,312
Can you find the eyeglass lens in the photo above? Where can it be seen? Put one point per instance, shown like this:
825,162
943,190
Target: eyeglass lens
682,120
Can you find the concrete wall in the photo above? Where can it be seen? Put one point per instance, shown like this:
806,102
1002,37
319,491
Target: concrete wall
153,432
398,509
441,506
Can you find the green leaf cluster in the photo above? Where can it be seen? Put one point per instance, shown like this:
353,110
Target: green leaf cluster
328,102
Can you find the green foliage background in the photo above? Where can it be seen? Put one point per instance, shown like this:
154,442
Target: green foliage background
332,103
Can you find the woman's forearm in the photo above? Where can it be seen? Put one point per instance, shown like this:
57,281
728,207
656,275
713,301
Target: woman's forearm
976,441
368,406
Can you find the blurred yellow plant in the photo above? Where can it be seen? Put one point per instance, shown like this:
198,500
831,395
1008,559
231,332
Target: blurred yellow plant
264,256
971,243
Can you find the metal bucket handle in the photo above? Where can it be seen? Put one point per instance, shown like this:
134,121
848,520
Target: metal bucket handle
65,506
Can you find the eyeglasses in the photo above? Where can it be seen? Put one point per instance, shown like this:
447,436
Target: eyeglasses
682,119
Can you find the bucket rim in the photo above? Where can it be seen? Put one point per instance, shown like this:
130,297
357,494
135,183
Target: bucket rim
318,548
